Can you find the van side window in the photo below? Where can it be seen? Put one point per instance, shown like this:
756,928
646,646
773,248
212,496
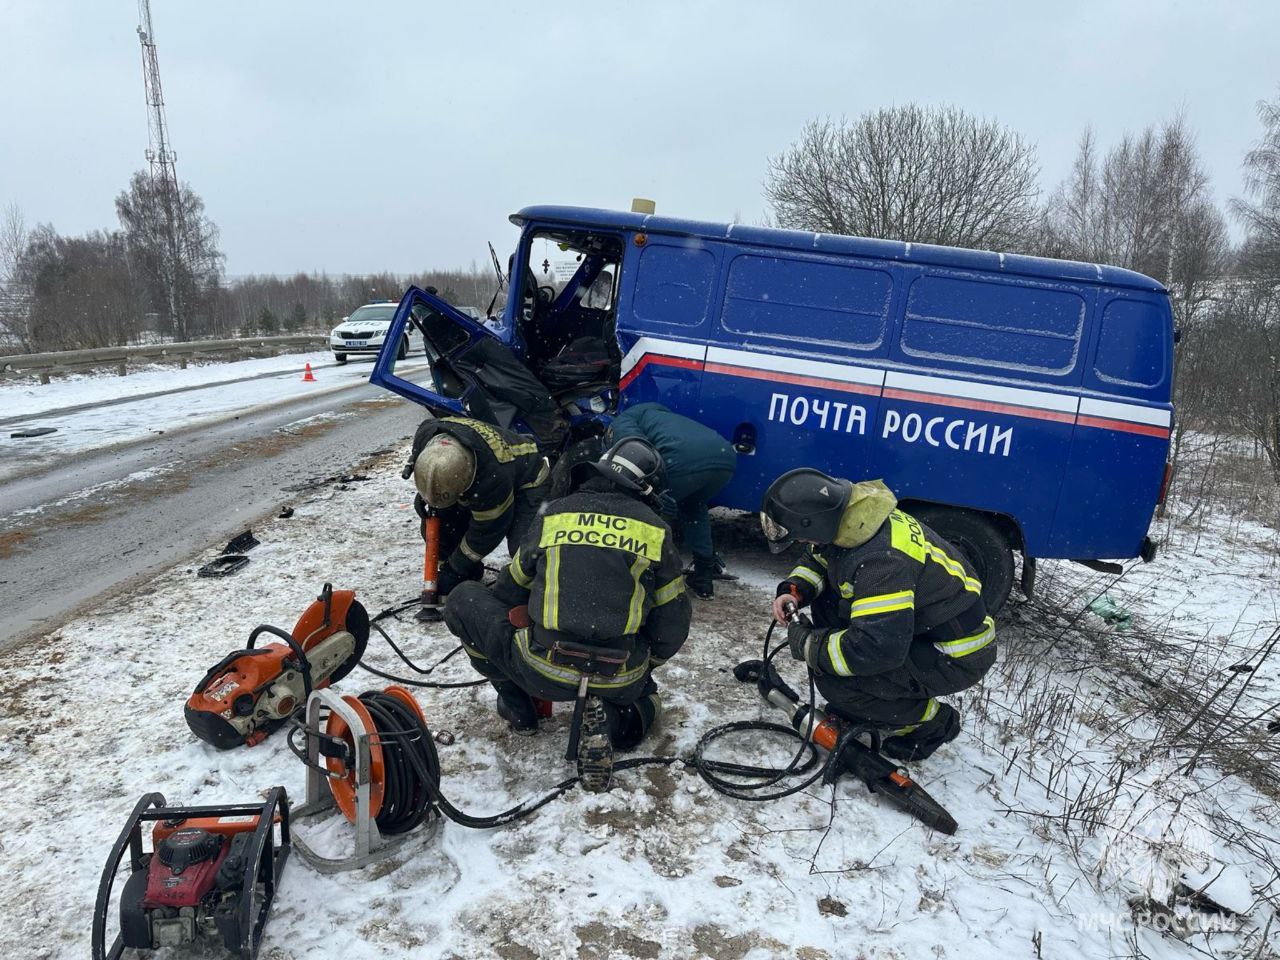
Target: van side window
1132,344
807,299
673,284
993,324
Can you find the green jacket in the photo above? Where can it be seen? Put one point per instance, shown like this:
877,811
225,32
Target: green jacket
689,450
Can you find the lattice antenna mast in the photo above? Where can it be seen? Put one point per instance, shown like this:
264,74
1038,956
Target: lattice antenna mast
159,154
164,173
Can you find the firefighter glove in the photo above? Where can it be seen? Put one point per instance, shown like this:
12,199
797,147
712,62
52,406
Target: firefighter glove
803,642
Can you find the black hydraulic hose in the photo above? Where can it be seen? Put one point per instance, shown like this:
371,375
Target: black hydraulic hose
714,772
406,800
375,624
413,763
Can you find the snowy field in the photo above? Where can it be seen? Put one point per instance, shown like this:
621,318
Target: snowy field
256,383
29,397
1100,762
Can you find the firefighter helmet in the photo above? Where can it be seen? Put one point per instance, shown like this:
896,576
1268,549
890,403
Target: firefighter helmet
803,504
444,470
634,465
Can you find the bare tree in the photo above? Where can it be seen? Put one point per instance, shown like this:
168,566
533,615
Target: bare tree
188,265
14,297
1144,206
1261,213
924,174
82,290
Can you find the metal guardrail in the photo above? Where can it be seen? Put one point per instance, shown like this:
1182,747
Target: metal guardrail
43,364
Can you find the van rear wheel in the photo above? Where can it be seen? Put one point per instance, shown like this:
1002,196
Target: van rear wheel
984,546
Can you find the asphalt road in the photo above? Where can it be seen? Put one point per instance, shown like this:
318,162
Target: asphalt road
103,521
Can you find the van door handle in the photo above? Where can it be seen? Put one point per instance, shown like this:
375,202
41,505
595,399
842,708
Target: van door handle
744,439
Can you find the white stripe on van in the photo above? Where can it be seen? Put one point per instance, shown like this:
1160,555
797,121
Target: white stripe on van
797,365
982,391
1057,403
666,348
1132,412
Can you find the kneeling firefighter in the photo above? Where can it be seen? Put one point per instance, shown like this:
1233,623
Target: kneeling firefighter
594,590
898,617
484,482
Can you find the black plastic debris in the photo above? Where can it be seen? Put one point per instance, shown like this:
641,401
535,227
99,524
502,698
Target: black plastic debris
241,543
223,566
341,480
32,432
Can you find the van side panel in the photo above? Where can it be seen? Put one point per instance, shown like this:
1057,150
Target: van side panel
665,294
795,363
1122,434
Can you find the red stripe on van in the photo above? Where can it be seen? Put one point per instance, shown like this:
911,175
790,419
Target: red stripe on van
776,376
1146,429
684,363
968,403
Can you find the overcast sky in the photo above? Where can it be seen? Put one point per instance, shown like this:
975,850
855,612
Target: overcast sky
399,135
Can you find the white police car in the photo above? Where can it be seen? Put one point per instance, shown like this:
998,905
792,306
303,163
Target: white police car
362,333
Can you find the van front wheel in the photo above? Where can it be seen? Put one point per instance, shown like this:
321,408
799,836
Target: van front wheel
984,546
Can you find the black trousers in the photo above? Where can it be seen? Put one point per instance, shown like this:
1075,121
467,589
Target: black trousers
904,700
500,652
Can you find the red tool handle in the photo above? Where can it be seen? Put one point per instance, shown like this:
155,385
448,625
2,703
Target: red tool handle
431,556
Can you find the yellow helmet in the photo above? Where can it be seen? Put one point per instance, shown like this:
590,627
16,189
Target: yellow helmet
444,470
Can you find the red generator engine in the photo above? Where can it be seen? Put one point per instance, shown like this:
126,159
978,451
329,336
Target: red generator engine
211,876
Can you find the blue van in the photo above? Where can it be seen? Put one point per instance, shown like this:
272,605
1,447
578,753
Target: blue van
1013,403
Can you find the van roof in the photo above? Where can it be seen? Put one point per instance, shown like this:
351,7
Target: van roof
922,253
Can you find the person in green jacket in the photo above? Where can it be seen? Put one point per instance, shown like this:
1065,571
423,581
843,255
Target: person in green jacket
699,464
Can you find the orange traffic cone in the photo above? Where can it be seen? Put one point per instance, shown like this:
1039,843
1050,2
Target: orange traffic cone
308,377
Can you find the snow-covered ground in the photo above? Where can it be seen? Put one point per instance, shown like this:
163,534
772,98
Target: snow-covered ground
1078,809
28,397
126,422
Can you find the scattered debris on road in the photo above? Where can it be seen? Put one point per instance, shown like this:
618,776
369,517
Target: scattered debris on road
32,432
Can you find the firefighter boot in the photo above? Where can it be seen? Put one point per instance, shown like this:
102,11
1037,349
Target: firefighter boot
921,741
701,579
630,723
516,707
595,747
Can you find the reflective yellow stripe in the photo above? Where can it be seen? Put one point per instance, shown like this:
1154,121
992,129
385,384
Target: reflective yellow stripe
808,576
551,591
497,511
543,473
882,603
930,711
504,452
907,536
664,595
836,655
603,530
569,676
635,611
517,571
967,645
469,552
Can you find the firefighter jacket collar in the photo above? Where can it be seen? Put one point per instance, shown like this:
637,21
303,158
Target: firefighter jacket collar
869,507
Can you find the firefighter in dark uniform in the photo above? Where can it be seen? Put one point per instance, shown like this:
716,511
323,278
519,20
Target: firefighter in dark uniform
597,571
485,483
898,617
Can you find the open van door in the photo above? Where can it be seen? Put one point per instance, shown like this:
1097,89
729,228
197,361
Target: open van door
447,334
474,371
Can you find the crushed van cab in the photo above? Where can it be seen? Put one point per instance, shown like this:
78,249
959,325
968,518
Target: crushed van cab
1013,403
